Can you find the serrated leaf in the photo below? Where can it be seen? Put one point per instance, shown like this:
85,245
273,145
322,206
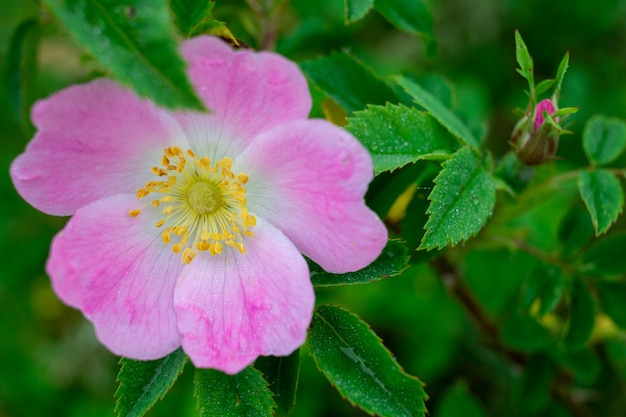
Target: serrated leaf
396,135
21,70
356,362
135,41
613,299
241,395
605,257
392,261
142,383
524,333
281,373
440,112
604,139
411,16
188,14
602,193
582,315
347,81
356,9
461,202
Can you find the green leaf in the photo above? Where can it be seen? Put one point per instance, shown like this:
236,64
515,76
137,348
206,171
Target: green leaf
458,401
355,361
243,394
524,333
135,41
392,261
575,231
281,373
534,385
544,86
440,112
605,257
582,315
461,202
347,81
396,135
560,73
604,139
21,70
189,14
613,299
356,9
525,62
388,186
411,16
544,284
603,196
142,383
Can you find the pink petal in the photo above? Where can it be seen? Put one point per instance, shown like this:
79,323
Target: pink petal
116,270
232,307
308,178
247,93
93,140
546,105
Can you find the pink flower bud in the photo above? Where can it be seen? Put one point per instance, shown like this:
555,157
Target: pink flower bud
535,141
541,106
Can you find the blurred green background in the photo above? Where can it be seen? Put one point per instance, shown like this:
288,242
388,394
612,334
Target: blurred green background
50,362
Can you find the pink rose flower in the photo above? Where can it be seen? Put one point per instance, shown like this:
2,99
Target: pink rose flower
187,228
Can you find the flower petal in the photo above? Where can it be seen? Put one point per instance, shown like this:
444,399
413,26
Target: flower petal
247,93
308,178
93,140
232,308
118,272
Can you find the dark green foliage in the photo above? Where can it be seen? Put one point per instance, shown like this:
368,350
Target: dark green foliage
354,360
244,394
133,40
143,383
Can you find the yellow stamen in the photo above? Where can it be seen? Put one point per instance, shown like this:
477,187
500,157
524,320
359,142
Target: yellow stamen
206,204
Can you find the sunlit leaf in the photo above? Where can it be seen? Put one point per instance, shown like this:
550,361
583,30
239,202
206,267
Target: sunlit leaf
143,383
392,261
135,41
440,112
604,139
603,195
355,361
396,135
461,202
241,395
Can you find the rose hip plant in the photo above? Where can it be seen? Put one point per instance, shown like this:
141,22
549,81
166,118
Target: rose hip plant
261,215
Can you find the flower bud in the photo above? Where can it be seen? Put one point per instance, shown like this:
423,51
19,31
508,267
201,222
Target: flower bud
534,139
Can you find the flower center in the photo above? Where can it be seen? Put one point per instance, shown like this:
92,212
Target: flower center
204,197
203,204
